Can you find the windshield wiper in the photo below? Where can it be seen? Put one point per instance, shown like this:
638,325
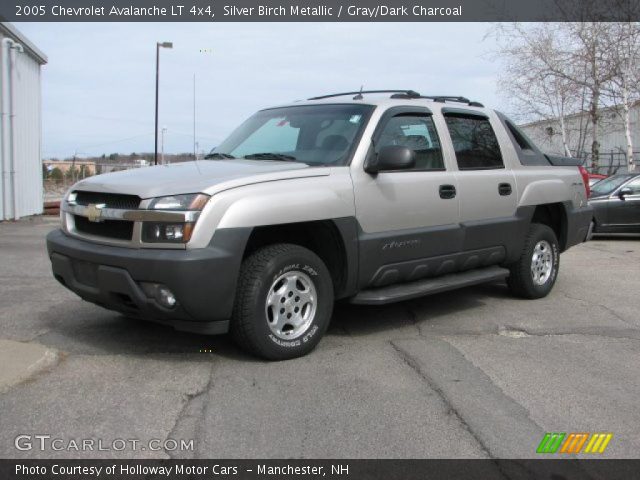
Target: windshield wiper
271,156
217,156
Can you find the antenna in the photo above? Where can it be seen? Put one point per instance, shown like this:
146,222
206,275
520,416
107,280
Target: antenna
359,95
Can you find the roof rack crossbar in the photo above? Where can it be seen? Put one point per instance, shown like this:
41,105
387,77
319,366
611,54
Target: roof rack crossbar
450,98
410,93
403,94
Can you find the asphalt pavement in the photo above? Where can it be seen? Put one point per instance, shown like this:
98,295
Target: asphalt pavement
473,373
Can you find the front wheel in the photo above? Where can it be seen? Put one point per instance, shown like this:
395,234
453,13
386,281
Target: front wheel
283,302
535,273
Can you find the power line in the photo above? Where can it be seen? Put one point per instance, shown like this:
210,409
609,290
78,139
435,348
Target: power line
86,147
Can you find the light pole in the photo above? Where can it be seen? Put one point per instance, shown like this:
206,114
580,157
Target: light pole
158,45
164,129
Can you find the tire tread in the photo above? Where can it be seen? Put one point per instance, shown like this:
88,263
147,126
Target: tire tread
519,278
242,326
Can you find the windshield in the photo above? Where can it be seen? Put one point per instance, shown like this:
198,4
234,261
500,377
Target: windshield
315,135
608,185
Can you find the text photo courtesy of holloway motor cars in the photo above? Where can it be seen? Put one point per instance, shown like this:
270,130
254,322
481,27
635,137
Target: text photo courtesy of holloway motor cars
363,240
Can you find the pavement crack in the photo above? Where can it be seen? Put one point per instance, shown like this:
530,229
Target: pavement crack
600,305
411,363
193,414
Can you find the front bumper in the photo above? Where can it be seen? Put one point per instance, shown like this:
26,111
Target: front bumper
203,280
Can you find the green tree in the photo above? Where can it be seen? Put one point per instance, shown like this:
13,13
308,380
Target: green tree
56,175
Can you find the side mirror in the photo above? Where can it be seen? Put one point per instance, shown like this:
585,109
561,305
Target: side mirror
391,157
624,192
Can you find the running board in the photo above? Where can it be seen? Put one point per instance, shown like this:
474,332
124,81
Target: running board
428,286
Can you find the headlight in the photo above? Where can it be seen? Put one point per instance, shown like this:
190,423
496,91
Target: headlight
172,232
157,232
192,201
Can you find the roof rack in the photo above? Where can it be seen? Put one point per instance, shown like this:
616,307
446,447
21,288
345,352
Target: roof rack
449,98
403,94
358,94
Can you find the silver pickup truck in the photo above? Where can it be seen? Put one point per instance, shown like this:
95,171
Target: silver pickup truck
371,197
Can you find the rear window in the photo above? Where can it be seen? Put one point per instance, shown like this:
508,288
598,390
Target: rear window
474,142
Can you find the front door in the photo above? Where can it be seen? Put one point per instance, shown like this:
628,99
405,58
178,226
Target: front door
624,213
406,215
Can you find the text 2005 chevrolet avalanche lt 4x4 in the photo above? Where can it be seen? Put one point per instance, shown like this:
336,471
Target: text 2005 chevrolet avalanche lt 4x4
373,197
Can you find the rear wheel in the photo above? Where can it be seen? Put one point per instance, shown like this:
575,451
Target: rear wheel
535,273
283,302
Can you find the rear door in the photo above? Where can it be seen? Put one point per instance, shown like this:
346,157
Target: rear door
486,187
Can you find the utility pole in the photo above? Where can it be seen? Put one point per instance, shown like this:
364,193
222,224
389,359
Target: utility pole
195,153
158,45
164,129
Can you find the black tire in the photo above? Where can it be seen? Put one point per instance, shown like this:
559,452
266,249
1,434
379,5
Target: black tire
521,280
252,318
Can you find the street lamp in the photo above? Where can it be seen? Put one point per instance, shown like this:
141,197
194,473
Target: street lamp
158,46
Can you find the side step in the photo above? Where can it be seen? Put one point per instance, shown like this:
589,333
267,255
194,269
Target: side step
428,286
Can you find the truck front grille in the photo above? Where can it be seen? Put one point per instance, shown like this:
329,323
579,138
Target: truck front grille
110,200
115,229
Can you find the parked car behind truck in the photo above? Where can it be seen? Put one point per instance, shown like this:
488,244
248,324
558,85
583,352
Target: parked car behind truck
371,197
616,204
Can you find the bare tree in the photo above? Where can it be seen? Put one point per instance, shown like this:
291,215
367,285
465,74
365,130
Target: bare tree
538,76
622,91
564,59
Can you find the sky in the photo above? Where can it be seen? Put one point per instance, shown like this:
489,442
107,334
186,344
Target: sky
99,85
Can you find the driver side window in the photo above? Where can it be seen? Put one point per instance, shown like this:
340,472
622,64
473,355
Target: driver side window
634,185
418,133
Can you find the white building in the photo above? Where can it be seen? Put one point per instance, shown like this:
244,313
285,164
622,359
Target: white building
21,189
546,134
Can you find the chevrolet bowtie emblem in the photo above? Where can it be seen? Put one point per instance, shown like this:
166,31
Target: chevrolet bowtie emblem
94,212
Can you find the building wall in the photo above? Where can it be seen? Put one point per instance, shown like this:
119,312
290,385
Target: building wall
611,136
27,137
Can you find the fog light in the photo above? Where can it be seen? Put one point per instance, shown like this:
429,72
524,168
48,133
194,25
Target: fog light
160,294
165,297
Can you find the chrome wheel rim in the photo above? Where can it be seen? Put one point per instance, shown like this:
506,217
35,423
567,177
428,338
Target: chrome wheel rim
541,262
291,305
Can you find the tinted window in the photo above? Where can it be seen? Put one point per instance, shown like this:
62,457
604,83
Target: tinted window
418,133
474,142
634,185
608,185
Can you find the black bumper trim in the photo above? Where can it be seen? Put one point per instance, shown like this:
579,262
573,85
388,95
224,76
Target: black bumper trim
578,221
203,280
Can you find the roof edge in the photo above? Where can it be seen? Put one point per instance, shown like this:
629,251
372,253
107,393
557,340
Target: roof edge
18,36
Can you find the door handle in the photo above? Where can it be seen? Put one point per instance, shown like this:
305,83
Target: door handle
447,191
504,189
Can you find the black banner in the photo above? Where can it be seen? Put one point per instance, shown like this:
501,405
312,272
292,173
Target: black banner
318,10
317,469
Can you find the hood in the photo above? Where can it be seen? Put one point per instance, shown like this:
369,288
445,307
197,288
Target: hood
204,176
